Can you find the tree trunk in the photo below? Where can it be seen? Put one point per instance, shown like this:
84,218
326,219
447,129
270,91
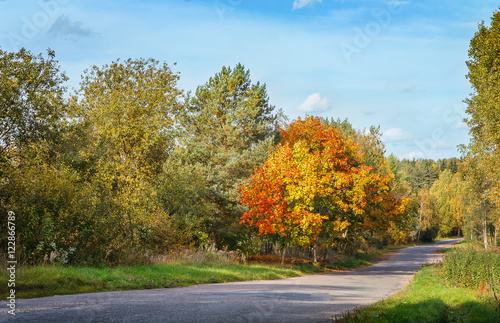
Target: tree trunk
496,234
485,234
315,259
458,234
283,251
215,228
420,219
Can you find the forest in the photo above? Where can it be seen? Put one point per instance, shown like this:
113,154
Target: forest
129,165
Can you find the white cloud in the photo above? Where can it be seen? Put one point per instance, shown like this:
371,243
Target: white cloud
297,4
315,102
397,134
461,125
414,155
64,26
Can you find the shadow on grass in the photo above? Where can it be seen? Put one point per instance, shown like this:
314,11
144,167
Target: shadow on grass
432,310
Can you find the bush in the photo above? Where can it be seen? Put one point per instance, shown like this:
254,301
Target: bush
429,235
473,268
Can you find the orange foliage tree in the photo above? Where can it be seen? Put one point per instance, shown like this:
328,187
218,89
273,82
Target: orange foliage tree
315,183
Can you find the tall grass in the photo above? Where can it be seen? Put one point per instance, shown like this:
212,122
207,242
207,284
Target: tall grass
473,268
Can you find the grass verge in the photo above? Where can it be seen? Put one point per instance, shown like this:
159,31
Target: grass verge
429,299
39,281
364,259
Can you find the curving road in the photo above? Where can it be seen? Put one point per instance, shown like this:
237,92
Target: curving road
314,298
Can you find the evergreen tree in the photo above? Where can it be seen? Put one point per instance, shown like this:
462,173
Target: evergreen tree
230,129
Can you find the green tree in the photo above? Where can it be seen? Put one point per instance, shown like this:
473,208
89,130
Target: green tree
484,76
482,211
130,113
483,106
32,101
184,195
32,111
230,129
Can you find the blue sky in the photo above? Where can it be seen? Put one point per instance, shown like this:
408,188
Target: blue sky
397,64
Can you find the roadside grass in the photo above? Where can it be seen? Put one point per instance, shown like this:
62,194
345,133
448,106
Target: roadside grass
429,299
200,268
363,259
459,245
39,281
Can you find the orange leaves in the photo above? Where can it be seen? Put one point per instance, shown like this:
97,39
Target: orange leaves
313,166
312,181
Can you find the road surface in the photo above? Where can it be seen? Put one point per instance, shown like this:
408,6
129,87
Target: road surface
313,298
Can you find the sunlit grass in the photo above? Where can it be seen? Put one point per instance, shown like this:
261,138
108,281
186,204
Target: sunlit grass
37,281
429,299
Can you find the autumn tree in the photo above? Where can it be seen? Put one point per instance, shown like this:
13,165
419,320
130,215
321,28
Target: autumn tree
458,200
441,191
314,182
372,151
129,111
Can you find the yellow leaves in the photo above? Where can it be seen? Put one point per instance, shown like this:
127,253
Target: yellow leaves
315,169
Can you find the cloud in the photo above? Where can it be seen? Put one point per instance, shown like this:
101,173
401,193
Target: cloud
297,4
414,155
315,102
397,134
64,26
461,125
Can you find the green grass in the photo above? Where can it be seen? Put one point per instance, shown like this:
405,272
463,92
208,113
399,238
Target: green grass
38,281
429,299
362,259
351,262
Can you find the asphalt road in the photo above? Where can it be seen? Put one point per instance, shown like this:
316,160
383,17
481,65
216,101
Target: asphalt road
314,298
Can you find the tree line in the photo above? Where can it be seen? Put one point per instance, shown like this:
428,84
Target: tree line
129,164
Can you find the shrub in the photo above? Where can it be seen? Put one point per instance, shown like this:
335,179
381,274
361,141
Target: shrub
473,268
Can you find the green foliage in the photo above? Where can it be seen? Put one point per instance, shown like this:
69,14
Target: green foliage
129,112
484,76
230,128
483,106
350,262
183,194
472,268
31,100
